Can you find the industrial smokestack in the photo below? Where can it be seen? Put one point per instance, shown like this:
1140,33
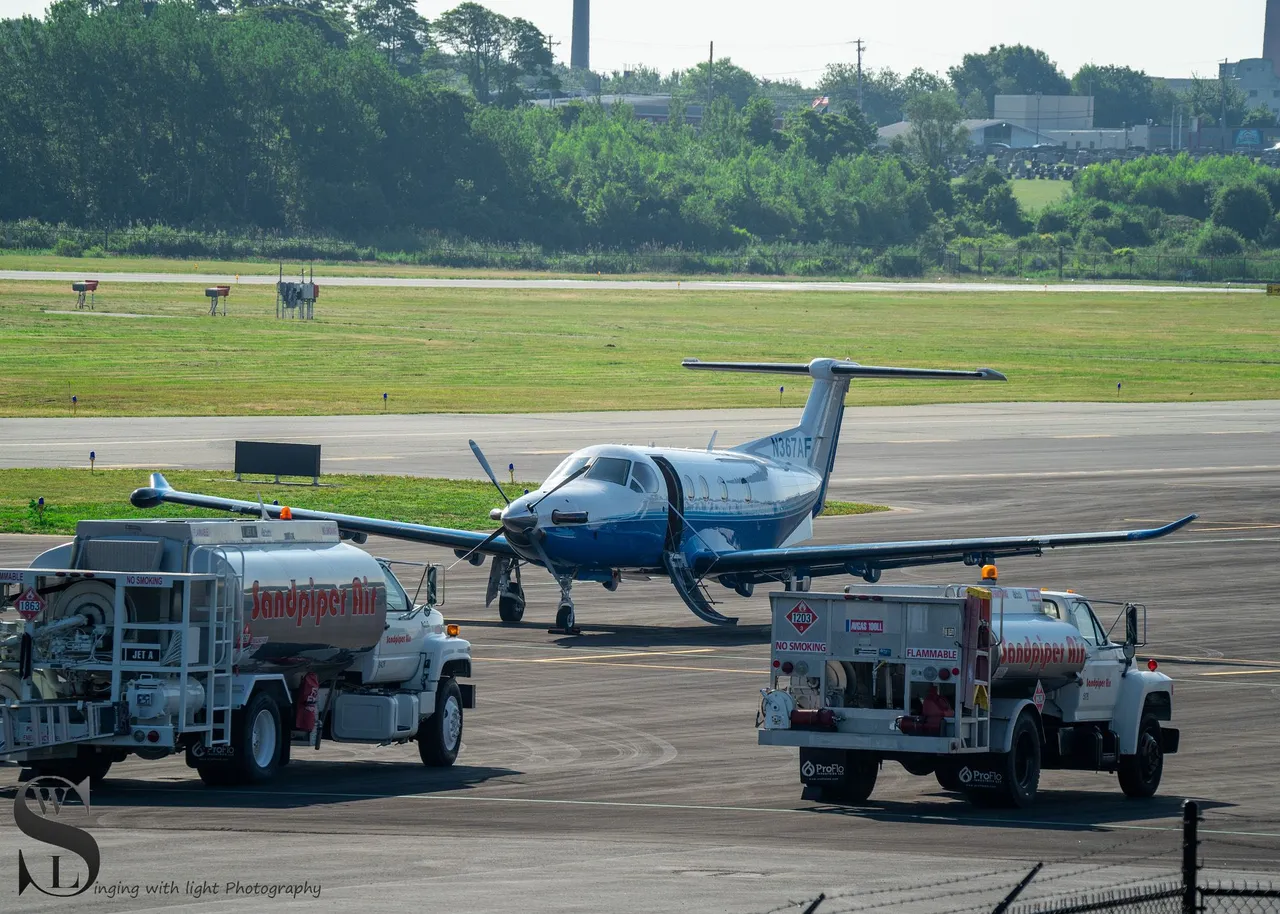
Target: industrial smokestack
1271,35
580,54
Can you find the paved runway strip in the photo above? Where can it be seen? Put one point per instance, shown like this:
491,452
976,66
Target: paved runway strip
619,770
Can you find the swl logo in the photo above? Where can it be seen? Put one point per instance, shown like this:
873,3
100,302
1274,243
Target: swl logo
52,796
801,617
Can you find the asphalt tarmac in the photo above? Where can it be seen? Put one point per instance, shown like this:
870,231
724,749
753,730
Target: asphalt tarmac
662,285
618,770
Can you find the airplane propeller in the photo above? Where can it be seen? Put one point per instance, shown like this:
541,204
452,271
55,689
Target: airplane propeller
488,470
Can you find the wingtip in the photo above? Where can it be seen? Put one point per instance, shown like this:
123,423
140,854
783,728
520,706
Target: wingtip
990,374
159,482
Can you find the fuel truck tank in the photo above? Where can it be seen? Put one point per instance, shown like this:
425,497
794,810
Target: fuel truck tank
305,601
1035,646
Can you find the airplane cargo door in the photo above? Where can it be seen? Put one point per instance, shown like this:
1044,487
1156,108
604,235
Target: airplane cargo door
675,499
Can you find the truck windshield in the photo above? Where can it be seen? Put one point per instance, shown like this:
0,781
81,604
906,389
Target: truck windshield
397,599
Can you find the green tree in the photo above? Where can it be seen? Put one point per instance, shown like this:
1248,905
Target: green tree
1206,99
728,80
396,30
1121,95
825,137
475,34
1007,70
759,116
1245,208
640,80
1260,116
936,132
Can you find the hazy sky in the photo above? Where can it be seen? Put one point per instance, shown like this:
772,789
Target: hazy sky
797,38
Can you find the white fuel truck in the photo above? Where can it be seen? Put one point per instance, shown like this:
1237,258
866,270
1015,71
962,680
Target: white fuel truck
230,641
979,686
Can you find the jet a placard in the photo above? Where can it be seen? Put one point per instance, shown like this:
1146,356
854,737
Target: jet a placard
738,515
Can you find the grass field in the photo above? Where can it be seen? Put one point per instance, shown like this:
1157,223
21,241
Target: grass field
1036,195
72,495
456,350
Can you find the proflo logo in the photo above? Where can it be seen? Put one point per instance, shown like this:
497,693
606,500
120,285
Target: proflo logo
811,770
971,778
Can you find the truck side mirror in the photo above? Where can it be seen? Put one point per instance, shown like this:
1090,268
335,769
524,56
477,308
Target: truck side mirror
1130,631
432,584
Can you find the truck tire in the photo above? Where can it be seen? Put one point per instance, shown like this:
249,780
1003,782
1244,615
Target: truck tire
440,736
859,780
920,766
88,763
256,739
1019,769
1140,773
511,604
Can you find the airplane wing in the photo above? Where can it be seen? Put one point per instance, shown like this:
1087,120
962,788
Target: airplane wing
869,559
461,541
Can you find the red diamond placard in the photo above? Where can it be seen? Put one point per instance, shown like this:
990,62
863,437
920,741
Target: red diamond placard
1038,696
29,605
802,617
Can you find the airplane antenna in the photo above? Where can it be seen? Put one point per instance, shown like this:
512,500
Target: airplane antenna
712,443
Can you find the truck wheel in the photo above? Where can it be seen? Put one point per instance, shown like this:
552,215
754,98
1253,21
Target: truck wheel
440,736
511,604
255,737
88,763
859,780
1140,773
1019,769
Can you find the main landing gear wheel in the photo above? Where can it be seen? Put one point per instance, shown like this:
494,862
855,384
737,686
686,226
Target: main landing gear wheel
564,617
511,604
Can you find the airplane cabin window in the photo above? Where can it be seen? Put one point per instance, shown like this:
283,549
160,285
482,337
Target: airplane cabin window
610,469
688,487
724,490
643,478
703,490
567,467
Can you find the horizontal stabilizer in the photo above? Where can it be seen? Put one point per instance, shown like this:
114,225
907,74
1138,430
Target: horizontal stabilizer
830,368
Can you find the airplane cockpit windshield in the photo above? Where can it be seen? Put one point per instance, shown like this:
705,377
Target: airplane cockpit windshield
567,468
610,469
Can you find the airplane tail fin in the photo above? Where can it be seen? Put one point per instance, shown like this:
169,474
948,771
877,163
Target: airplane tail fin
813,442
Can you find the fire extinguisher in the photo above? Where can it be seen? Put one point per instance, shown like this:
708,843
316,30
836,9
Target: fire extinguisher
308,700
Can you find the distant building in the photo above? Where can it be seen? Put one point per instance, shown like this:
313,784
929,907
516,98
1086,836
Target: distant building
653,108
1116,138
1257,79
1046,112
982,133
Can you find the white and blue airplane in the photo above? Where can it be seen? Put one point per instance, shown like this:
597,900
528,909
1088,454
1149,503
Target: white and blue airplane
738,515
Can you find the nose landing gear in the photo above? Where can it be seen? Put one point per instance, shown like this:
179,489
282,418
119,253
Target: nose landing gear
565,622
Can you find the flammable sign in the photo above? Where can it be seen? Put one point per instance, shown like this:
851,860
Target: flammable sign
980,697
29,605
1038,696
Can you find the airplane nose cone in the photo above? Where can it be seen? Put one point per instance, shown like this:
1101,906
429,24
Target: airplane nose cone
519,520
